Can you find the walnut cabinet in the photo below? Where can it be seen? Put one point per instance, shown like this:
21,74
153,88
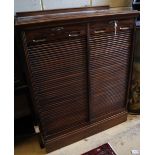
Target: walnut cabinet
78,64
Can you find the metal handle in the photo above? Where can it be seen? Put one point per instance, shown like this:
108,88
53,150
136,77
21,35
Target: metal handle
39,40
57,28
124,28
73,35
99,31
115,27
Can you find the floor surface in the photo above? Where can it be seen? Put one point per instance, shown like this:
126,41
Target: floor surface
123,138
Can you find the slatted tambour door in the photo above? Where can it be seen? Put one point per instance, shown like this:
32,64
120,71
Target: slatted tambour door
56,59
110,48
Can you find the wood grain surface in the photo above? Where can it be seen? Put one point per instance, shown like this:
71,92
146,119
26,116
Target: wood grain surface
78,69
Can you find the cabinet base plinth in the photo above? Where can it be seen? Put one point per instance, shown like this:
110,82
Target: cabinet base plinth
84,132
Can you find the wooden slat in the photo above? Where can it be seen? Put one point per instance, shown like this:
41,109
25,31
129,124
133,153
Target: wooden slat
109,61
58,71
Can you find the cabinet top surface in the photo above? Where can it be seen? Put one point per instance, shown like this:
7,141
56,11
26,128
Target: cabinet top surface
41,17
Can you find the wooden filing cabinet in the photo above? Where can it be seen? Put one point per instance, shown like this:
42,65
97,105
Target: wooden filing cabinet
78,64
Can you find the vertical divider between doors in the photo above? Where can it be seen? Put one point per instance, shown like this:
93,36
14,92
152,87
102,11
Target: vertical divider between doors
88,73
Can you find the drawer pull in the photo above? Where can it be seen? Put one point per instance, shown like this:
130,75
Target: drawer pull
115,27
73,35
57,28
39,40
124,28
100,31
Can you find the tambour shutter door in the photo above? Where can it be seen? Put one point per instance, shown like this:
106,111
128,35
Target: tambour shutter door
57,66
109,65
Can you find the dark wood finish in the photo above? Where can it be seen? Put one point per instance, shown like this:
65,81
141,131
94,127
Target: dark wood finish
84,132
88,72
65,10
78,66
110,52
47,18
131,58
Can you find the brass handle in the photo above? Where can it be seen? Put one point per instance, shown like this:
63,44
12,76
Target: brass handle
124,28
39,40
73,35
99,31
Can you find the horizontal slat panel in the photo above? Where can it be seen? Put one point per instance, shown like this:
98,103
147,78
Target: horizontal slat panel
63,100
56,83
58,71
62,111
109,63
63,123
